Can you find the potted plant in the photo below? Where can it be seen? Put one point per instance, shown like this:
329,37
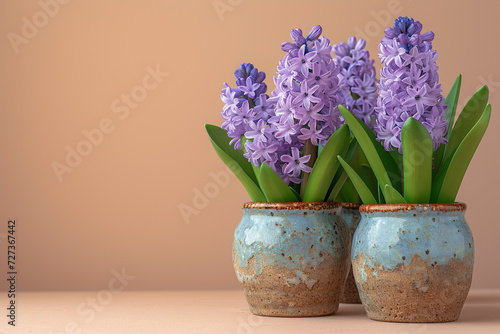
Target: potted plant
413,252
291,248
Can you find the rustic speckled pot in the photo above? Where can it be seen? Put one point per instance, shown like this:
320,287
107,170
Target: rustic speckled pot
413,263
292,258
351,215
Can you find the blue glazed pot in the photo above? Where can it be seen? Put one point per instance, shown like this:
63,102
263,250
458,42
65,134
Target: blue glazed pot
413,263
351,215
292,258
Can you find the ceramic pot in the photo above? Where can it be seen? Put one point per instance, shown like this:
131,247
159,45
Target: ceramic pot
292,258
413,263
351,215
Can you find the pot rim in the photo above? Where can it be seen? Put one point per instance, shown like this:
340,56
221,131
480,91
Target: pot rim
293,205
457,206
350,205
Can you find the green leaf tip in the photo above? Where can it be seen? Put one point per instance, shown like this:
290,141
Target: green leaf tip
450,175
236,162
393,196
363,191
273,187
467,119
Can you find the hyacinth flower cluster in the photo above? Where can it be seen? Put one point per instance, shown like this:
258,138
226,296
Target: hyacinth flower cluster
308,94
249,114
307,89
418,154
409,84
357,78
303,107
247,107
279,135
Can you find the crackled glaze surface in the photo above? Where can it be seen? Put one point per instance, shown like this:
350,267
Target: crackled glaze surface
413,263
292,261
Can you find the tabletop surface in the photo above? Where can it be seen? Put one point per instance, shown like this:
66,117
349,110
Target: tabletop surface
218,312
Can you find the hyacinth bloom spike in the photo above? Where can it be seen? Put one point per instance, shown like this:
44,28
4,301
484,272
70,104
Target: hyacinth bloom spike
246,106
307,89
409,85
357,78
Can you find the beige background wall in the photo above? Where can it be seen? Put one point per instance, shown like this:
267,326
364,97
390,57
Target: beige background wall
119,207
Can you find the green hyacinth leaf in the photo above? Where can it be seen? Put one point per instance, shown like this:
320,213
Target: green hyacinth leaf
392,166
219,137
326,165
334,193
273,187
392,196
398,159
449,178
451,102
297,195
351,151
381,198
416,144
340,198
236,162
349,193
374,152
467,119
341,176
369,179
363,191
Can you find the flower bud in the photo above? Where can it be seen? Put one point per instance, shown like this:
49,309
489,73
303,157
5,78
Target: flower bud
389,33
403,39
261,76
287,46
427,36
297,37
351,41
361,44
415,28
314,33
248,68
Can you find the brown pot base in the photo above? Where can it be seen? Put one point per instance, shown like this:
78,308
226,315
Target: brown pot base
418,293
281,292
311,311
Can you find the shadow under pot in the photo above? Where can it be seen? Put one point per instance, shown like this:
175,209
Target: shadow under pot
292,258
413,263
351,215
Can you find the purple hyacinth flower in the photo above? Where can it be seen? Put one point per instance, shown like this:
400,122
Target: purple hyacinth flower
307,89
409,84
420,98
303,61
306,95
357,78
295,164
240,109
257,131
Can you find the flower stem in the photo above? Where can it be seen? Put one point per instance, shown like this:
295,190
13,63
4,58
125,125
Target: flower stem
309,149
